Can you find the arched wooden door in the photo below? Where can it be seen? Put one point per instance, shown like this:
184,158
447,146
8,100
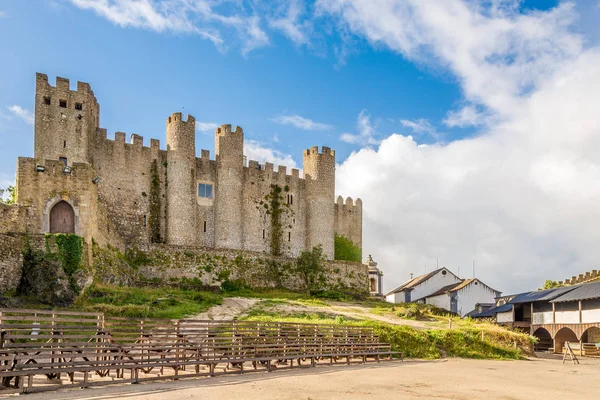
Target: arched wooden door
62,218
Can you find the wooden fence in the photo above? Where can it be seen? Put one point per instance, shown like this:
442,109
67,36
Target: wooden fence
38,348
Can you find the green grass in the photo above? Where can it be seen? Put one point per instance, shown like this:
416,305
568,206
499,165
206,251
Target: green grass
164,302
462,341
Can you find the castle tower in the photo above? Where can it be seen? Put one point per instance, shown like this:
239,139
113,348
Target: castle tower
319,173
181,181
65,120
229,150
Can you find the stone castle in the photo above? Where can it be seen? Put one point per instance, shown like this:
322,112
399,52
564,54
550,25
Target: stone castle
127,194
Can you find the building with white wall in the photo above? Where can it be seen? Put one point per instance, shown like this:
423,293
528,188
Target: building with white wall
462,297
553,316
417,289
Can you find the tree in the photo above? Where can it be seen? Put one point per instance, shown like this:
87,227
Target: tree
10,194
551,284
309,266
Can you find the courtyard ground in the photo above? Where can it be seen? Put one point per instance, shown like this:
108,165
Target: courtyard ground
455,379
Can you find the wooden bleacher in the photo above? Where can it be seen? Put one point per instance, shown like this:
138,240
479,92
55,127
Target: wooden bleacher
38,348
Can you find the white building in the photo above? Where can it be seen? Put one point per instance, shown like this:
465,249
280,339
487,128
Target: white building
416,289
462,297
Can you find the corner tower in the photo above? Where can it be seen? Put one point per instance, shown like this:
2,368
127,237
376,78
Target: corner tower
65,120
181,180
229,150
319,173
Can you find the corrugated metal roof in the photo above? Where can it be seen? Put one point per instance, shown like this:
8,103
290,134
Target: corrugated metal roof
493,311
584,291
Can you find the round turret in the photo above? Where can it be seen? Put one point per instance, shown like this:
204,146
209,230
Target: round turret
229,150
181,180
319,173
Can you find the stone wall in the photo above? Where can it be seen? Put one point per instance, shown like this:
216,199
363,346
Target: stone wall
10,263
212,267
348,219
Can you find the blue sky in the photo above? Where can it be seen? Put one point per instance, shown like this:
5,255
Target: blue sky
347,74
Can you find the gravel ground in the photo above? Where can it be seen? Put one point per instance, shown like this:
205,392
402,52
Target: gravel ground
456,379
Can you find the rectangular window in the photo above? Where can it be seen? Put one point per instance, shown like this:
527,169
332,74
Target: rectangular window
289,236
62,103
47,100
263,233
63,160
79,106
145,221
205,190
204,226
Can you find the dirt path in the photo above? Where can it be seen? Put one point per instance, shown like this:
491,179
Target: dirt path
230,308
454,379
359,312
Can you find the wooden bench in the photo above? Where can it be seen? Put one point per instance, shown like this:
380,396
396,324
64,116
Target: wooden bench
591,350
91,348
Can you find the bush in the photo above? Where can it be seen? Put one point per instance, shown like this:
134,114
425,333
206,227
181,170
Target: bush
346,250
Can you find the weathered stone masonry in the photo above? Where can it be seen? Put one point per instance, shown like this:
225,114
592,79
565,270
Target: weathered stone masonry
130,195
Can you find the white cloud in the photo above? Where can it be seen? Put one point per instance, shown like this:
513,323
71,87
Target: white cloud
3,14
366,131
22,113
290,23
301,123
464,117
196,17
256,151
206,127
421,126
521,197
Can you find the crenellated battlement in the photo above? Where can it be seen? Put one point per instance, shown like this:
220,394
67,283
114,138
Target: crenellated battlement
178,117
349,204
225,129
315,151
63,84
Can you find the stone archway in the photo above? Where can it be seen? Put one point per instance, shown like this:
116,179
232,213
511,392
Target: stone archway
591,335
562,336
62,218
544,339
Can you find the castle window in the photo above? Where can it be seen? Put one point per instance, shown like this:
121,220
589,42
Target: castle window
64,143
204,226
290,199
63,160
263,233
79,106
144,220
205,190
62,103
47,100
289,236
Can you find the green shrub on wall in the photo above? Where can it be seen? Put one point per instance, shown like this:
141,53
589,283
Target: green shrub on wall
346,250
70,251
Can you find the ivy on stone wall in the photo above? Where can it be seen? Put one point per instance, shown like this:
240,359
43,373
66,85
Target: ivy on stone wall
309,266
155,204
346,250
277,209
69,251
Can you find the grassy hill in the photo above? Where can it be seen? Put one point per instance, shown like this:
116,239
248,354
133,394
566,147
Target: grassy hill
420,331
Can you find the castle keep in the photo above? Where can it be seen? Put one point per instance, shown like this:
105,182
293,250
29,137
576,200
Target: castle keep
126,194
